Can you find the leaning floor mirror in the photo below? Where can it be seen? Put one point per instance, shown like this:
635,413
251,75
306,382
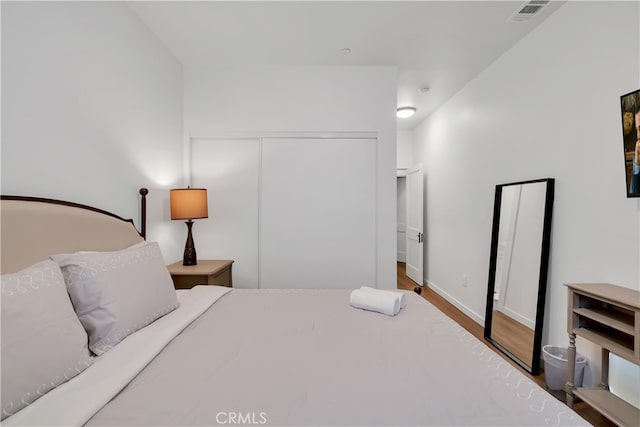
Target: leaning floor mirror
518,270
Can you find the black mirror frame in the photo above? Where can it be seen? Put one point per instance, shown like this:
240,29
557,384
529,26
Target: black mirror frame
534,369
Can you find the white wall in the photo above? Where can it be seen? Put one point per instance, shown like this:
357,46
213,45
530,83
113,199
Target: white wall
248,101
405,149
91,110
549,107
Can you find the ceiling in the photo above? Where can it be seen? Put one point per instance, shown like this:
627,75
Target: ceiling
437,44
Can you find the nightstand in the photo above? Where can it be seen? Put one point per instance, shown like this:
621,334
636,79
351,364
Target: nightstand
206,272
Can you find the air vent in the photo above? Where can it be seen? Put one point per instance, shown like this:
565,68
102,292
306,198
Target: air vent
528,10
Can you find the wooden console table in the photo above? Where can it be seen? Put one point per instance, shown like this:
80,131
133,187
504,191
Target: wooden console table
608,316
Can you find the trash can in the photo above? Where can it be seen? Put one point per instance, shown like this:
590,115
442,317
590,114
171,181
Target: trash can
556,367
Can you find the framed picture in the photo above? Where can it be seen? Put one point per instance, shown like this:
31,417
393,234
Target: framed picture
630,108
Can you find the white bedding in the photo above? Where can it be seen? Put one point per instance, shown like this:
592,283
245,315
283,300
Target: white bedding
298,357
76,401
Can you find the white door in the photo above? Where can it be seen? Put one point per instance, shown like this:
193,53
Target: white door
229,170
415,236
318,213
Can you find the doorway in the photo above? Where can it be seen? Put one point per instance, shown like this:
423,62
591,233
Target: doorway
401,230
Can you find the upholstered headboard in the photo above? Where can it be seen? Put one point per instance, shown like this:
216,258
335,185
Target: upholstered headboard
32,229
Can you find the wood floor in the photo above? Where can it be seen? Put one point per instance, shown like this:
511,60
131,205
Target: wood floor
585,411
512,335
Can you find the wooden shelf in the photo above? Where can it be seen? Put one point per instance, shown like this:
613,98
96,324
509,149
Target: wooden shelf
608,316
607,292
616,345
609,405
616,320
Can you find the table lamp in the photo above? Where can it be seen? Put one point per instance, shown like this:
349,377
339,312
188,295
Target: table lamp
189,204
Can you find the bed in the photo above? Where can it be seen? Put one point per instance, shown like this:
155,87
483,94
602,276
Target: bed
222,356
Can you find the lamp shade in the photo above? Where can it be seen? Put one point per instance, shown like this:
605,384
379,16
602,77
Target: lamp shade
189,203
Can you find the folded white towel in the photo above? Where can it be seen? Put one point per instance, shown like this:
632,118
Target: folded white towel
375,301
401,295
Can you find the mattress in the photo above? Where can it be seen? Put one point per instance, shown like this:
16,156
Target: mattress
306,357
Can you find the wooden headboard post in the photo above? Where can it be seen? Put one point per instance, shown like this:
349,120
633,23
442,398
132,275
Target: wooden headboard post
143,213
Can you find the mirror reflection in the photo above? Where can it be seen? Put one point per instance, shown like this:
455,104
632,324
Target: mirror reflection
517,277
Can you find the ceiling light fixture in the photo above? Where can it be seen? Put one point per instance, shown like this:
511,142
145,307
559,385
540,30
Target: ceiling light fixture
405,112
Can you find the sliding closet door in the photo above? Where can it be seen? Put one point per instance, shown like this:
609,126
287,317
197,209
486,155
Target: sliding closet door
318,213
230,171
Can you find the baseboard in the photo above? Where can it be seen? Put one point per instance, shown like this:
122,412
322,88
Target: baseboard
402,256
518,318
466,310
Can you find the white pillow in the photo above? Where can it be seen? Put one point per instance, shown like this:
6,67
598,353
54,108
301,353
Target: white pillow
117,293
43,343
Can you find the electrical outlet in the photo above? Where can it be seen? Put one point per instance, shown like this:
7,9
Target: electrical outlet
464,280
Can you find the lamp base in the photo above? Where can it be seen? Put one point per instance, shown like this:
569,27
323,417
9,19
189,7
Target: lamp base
189,257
